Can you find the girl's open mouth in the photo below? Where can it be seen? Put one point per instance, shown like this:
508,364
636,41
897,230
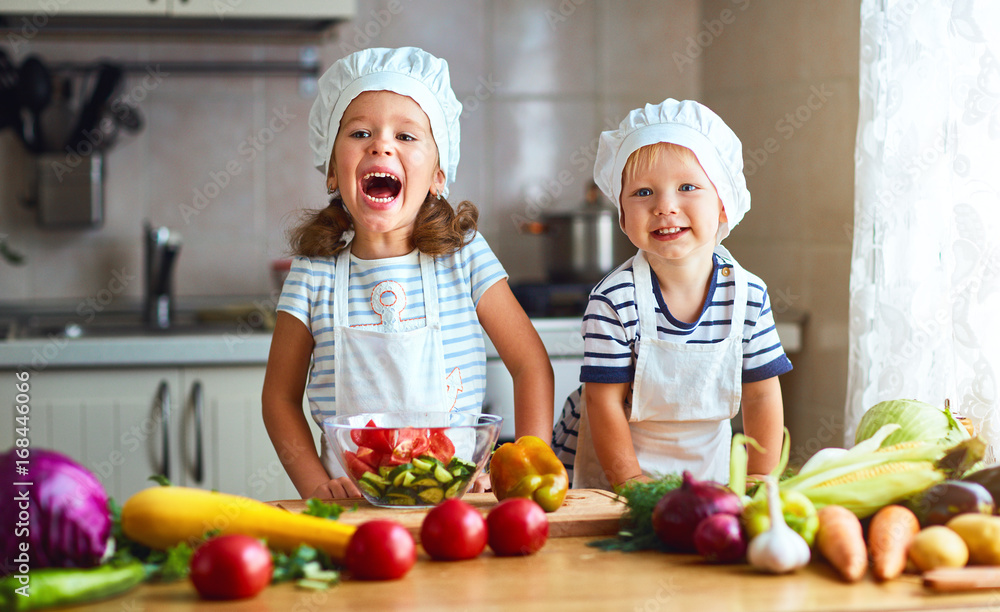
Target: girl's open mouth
380,187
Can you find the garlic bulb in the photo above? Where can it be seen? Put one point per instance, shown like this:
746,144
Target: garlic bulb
778,550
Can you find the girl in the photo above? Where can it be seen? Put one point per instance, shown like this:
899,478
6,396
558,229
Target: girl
391,285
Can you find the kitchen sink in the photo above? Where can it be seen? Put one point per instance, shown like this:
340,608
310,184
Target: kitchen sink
130,323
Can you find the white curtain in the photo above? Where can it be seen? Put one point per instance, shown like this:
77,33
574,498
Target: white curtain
925,269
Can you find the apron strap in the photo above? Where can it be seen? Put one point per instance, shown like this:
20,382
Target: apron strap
342,273
740,283
428,277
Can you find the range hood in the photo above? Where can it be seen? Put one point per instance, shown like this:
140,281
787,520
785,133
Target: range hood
143,17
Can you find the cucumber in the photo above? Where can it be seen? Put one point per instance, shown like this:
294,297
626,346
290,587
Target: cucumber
442,475
399,469
367,488
400,499
425,481
374,480
420,465
454,489
433,495
384,470
53,586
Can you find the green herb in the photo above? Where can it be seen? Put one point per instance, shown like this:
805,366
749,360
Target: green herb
311,568
637,523
161,480
316,507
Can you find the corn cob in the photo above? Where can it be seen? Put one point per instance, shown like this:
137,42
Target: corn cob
866,477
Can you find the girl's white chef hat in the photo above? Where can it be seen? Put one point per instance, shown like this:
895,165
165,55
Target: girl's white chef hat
408,71
686,123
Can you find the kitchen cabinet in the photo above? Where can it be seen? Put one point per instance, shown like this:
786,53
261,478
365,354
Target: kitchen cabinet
293,9
202,427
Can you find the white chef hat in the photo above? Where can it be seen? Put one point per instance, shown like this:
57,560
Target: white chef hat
408,71
688,124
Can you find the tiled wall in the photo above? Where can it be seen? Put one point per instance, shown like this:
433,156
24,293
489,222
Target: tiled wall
539,80
784,75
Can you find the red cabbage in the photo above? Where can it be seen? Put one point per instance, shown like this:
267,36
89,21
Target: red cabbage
65,521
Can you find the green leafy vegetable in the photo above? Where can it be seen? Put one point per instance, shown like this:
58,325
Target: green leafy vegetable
310,567
637,523
330,510
917,421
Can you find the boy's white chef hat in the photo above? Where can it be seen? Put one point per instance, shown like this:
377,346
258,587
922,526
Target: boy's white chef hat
686,123
408,71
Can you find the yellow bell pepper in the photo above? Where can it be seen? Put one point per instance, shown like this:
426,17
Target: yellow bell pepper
529,468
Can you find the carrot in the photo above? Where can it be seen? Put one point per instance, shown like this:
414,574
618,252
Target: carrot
890,534
841,541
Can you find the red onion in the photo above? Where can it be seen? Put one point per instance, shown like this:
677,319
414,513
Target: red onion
678,513
719,538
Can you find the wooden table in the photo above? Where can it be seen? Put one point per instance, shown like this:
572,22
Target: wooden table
569,575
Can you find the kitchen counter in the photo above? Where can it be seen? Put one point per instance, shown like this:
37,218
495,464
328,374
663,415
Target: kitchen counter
241,343
569,575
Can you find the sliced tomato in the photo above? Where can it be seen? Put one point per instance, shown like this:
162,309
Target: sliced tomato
356,465
410,442
379,440
440,446
370,457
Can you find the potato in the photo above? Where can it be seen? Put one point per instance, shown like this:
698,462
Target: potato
938,546
981,534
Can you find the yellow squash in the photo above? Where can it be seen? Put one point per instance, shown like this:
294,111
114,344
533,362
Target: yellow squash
160,517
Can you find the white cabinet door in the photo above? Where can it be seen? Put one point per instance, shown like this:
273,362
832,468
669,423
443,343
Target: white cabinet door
89,7
108,420
238,455
222,9
128,424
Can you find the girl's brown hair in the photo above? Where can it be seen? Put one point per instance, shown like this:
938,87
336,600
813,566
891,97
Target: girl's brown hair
439,229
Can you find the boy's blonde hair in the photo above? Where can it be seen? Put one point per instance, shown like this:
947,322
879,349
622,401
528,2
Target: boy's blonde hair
644,157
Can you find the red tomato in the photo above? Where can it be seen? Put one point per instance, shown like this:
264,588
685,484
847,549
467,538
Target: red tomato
410,442
379,440
440,446
452,531
231,566
517,526
356,466
380,550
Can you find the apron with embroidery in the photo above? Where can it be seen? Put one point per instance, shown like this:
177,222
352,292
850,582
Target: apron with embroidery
683,395
397,366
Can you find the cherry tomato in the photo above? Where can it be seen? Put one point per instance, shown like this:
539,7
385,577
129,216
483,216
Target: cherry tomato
517,526
452,531
231,566
380,550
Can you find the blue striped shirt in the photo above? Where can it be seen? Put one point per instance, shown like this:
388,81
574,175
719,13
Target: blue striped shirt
462,278
611,326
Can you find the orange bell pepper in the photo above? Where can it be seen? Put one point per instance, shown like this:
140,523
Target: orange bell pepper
529,468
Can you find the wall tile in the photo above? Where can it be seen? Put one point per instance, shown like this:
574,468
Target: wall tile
545,47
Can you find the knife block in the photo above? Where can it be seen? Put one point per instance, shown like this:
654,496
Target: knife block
69,190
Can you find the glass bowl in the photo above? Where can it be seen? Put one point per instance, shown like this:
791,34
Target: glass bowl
412,459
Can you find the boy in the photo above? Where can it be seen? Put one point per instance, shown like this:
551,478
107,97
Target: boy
679,337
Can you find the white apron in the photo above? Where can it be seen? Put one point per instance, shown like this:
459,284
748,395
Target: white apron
382,371
683,395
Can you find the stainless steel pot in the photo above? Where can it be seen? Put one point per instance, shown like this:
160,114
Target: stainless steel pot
584,244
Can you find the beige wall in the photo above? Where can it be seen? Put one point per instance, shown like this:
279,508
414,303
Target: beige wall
784,75
539,80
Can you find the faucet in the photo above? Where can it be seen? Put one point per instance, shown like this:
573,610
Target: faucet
162,246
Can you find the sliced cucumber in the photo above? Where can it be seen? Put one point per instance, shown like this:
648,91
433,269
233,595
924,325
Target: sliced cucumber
400,499
374,480
399,469
422,466
425,481
384,470
432,495
442,475
454,489
367,488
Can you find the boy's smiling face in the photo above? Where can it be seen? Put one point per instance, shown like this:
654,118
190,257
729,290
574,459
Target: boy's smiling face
384,162
670,208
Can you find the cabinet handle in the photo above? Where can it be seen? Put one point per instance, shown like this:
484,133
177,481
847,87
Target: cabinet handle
163,398
198,398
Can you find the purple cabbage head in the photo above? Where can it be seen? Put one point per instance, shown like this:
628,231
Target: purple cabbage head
62,516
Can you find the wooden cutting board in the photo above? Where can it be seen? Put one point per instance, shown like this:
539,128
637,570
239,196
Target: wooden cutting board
585,512
962,578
